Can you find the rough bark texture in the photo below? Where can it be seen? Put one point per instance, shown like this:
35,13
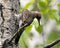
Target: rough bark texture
8,20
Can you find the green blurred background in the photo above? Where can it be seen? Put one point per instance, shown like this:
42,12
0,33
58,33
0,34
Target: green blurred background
36,36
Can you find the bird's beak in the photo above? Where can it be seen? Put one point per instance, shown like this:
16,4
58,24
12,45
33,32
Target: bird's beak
38,21
38,18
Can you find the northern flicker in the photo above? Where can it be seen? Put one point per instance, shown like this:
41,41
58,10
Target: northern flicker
27,18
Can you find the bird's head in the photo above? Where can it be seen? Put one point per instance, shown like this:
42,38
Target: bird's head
28,16
37,15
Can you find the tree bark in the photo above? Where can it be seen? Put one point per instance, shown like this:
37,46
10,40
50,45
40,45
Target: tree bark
8,21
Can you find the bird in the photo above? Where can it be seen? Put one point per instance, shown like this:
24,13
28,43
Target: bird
27,17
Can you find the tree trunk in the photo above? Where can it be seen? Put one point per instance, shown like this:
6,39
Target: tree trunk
8,21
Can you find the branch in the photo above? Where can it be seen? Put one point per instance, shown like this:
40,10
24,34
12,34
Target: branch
17,33
53,43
